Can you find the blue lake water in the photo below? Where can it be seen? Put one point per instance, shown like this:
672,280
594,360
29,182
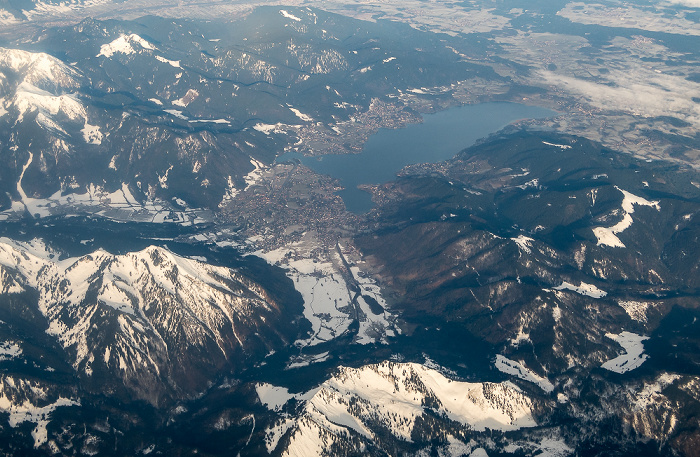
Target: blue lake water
440,137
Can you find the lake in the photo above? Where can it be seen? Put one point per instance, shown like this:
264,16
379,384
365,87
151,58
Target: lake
440,137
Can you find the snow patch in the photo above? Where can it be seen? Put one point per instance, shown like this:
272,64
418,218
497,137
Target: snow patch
521,337
276,432
560,146
306,360
531,183
300,115
273,397
9,350
230,194
636,310
177,113
270,128
92,134
551,447
186,99
556,313
172,63
7,18
117,205
210,121
517,369
255,175
326,302
330,303
650,394
288,15
524,243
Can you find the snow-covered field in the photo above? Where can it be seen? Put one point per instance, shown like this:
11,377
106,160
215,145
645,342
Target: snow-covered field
330,304
118,205
588,290
607,236
634,355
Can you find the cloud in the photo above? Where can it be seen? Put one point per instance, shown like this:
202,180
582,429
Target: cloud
628,16
642,93
690,3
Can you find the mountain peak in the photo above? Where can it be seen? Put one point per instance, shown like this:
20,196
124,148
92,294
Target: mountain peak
146,315
125,44
39,69
396,397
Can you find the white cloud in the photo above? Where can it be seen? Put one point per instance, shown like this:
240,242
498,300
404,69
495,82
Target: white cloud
628,16
641,92
690,3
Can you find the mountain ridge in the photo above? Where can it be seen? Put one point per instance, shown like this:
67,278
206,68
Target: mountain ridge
145,319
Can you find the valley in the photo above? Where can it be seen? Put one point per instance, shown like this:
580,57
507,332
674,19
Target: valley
521,325
270,229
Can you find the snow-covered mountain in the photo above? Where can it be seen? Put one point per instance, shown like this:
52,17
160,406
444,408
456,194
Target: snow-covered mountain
151,322
411,409
56,130
38,85
537,295
180,110
38,69
396,407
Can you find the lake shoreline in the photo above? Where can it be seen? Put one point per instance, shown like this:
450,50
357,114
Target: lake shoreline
439,137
